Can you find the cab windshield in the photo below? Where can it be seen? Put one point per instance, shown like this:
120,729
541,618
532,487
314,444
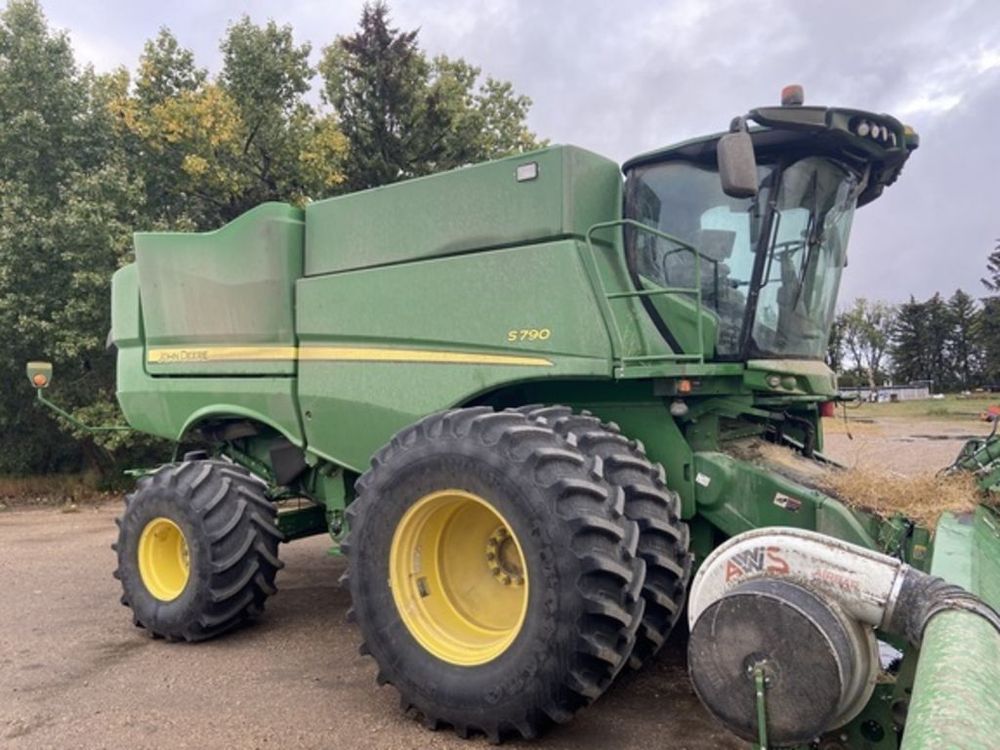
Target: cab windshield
770,265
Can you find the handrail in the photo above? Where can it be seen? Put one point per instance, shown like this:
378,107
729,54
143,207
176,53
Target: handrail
699,356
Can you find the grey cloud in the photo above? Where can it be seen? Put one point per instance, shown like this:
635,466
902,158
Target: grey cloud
622,78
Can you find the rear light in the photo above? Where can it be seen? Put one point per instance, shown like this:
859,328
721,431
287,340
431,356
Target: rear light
828,409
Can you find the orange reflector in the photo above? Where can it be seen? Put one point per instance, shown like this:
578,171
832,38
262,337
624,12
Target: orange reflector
827,409
684,386
40,380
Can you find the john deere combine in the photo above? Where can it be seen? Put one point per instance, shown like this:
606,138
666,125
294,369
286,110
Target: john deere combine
515,395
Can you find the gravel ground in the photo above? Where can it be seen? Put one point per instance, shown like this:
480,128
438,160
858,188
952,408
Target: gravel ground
74,672
905,446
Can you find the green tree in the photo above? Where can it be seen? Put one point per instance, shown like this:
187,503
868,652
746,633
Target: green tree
208,150
166,70
989,322
40,101
86,159
67,204
992,279
909,343
405,115
939,341
290,152
835,346
940,330
989,337
867,330
965,347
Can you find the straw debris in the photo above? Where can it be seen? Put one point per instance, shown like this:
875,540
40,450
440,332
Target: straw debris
922,497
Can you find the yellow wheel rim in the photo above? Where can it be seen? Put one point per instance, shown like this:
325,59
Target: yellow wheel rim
458,577
163,559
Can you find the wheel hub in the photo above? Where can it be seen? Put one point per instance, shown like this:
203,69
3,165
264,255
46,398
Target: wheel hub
458,577
164,559
503,559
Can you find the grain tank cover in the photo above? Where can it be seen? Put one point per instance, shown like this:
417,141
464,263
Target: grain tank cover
222,302
555,192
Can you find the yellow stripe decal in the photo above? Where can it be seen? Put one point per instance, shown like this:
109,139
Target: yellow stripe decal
173,355
372,354
184,355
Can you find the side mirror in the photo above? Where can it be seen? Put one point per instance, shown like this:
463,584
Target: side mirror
40,374
737,165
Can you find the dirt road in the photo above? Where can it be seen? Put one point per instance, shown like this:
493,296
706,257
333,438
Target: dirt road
75,673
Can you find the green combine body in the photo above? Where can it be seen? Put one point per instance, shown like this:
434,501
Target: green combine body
687,319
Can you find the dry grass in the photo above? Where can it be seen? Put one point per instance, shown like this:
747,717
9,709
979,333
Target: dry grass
54,489
921,498
950,407
854,426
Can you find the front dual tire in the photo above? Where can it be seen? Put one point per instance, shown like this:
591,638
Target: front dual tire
493,571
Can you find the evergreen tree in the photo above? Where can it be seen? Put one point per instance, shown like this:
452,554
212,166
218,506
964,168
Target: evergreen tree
909,343
965,347
405,115
992,280
989,324
940,326
989,337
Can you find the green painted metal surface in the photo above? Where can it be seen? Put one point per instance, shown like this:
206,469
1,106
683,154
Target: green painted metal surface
472,208
981,458
168,407
955,701
207,297
967,552
298,523
532,307
737,496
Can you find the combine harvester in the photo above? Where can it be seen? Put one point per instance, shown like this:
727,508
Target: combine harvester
515,395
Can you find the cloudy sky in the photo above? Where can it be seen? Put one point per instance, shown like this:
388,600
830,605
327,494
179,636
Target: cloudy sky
625,77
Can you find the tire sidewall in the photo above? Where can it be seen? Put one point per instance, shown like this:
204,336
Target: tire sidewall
511,679
168,618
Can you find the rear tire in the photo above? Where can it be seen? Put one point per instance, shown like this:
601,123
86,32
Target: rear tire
664,540
197,549
576,553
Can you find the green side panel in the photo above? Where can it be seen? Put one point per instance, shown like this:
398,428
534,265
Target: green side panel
956,703
229,288
126,327
168,406
737,496
967,553
533,303
472,208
